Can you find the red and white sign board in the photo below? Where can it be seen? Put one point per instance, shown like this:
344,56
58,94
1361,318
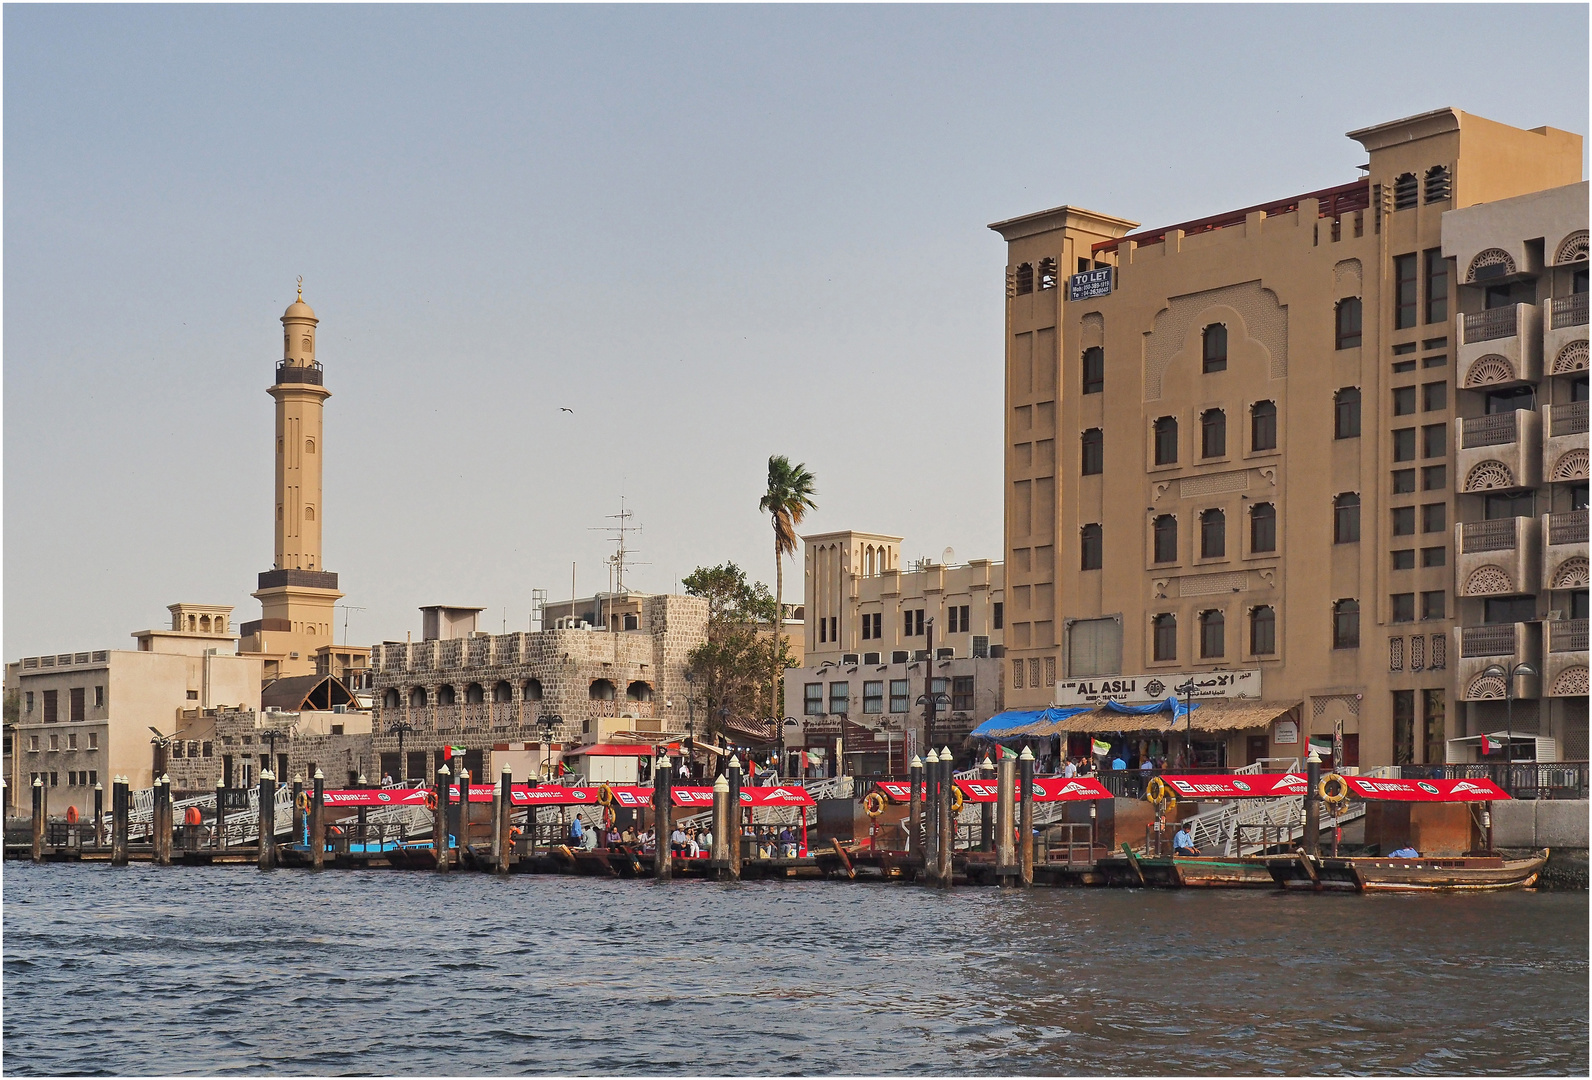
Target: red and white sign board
358,797
1367,787
1046,789
898,790
776,796
1247,786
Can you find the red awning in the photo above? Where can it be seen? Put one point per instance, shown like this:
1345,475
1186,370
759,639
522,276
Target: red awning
1046,789
357,797
793,795
626,795
1370,787
1245,786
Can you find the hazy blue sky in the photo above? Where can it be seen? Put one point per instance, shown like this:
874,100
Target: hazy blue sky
715,233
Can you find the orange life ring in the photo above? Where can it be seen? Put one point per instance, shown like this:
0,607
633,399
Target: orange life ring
71,815
605,795
190,818
431,800
873,804
304,800
958,800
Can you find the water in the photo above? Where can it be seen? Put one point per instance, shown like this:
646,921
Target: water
157,971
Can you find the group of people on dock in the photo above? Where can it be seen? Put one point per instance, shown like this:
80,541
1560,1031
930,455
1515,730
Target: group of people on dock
691,842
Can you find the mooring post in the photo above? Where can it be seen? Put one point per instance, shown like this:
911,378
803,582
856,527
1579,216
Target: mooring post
947,818
119,821
99,815
38,819
662,812
267,819
733,818
723,819
318,823
461,838
162,822
986,811
503,845
1312,837
364,820
300,828
439,819
1025,817
221,815
915,806
931,814
1005,784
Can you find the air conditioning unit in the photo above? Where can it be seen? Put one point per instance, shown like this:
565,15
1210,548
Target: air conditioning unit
920,654
870,658
339,708
900,656
980,646
848,658
945,654
1555,614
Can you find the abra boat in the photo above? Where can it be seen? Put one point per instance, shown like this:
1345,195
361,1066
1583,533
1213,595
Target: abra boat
1465,873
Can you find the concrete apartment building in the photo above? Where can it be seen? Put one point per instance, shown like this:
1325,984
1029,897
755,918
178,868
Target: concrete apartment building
1520,471
1227,440
868,628
85,717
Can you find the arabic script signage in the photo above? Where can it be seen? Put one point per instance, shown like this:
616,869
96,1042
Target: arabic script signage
1143,689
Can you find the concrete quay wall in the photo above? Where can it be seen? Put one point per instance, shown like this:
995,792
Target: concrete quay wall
1561,825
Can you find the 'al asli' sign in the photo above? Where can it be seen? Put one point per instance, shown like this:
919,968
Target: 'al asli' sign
1143,689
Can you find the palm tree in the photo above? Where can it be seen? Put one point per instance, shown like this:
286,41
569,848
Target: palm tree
789,497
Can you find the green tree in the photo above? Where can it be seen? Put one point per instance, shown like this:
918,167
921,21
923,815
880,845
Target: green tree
731,669
789,497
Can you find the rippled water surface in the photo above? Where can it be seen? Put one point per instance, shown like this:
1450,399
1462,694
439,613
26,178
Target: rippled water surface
141,970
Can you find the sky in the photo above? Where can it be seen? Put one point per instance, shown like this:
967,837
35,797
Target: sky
713,233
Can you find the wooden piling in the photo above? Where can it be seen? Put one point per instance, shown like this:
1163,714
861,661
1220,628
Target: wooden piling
915,806
300,830
1312,829
119,801
663,815
99,815
931,814
726,833
1025,816
461,837
986,811
267,819
947,818
221,815
318,823
40,806
439,820
1006,778
502,845
161,822
733,817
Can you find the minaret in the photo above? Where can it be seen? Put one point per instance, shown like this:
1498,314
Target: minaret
297,595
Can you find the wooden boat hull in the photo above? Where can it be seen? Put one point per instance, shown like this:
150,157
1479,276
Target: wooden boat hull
1426,874
1215,872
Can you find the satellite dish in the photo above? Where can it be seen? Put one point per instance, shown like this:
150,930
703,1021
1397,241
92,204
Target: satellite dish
948,556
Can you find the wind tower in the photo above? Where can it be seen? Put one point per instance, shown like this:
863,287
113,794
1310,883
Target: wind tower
297,595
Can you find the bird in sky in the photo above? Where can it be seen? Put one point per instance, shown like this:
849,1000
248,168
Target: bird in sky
570,411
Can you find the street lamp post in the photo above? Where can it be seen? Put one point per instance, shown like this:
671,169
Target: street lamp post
1186,688
1509,676
548,723
401,728
269,737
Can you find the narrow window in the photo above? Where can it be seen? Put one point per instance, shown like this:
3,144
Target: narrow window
839,698
1434,440
1348,323
1093,548
1436,285
1213,534
1403,400
1434,556
1215,350
1434,397
1025,279
1047,273
1346,518
1263,425
1346,413
1263,631
1404,444
1434,517
1403,520
1404,291
813,699
1346,624
1403,481
1166,539
1213,632
1166,441
1406,191
1165,631
1263,528
1094,452
1017,674
898,696
1213,433
1404,607
1094,370
873,697
1437,183
1000,615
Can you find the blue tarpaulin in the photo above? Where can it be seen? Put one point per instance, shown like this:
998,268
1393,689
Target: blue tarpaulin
1017,722
1176,707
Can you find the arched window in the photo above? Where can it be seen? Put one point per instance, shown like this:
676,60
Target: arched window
309,513
1262,528
1166,440
417,697
532,690
473,694
1165,636
1213,433
309,446
1213,534
1215,349
1348,323
445,695
1213,634
1093,548
1263,631
204,624
1346,518
1166,538
1093,451
1406,191
1346,624
391,699
639,691
1047,273
1094,370
1025,279
502,691
1346,413
1437,183
601,690
1263,425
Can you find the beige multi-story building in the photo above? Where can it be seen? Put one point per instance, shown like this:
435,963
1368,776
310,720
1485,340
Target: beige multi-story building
1228,443
1520,471
875,632
85,717
298,595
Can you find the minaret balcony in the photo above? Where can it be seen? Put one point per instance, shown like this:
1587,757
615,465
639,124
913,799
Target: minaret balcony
293,373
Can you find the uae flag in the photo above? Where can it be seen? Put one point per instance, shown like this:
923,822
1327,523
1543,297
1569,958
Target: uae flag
1101,747
1487,746
1321,744
451,752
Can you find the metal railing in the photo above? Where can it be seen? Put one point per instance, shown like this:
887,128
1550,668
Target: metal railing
1496,535
1567,528
1569,418
1071,843
1522,779
1492,324
291,373
1495,429
1495,640
1569,310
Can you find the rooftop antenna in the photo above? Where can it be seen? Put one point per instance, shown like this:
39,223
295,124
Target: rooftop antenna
621,556
346,609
